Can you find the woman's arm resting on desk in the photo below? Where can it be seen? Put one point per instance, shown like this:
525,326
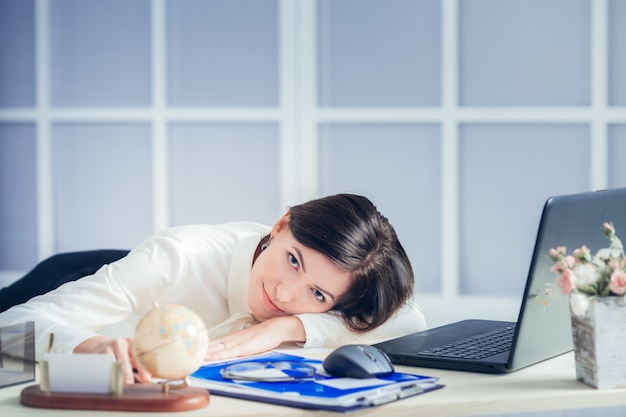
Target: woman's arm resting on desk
261,337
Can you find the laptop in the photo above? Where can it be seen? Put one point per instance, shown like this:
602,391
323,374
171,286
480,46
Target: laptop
543,328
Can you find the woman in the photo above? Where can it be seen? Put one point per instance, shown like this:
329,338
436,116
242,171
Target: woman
329,272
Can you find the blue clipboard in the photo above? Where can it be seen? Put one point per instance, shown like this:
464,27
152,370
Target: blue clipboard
325,392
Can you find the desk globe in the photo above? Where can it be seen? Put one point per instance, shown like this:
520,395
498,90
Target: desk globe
171,342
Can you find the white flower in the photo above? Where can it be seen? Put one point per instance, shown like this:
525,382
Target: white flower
579,304
585,274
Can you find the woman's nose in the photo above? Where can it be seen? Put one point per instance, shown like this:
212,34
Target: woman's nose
286,291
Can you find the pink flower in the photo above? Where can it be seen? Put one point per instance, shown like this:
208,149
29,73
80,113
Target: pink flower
583,254
609,230
569,261
557,254
558,268
567,282
618,282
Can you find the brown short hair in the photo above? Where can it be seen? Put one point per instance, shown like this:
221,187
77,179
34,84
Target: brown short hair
355,236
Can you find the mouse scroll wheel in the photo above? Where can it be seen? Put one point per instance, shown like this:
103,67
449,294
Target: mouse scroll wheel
372,357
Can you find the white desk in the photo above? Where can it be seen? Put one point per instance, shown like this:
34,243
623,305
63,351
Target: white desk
550,385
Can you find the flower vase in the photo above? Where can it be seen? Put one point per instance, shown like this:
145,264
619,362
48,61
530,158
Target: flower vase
599,340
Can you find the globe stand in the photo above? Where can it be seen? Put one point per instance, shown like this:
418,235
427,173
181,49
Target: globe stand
170,385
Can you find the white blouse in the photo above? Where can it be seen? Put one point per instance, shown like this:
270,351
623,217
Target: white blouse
203,267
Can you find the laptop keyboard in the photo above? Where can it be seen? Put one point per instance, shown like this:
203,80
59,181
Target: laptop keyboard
477,347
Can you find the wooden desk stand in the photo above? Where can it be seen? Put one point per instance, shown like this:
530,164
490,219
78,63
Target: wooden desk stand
136,397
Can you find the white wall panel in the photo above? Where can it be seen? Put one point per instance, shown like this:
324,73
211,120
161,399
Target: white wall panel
223,173
617,155
223,53
17,52
100,52
524,53
379,53
616,52
103,189
18,196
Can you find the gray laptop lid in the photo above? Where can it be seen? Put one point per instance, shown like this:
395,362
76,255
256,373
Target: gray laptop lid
572,221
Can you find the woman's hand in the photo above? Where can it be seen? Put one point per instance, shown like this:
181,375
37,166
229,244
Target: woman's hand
256,339
122,350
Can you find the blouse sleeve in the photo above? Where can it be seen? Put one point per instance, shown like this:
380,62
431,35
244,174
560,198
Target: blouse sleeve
76,310
327,330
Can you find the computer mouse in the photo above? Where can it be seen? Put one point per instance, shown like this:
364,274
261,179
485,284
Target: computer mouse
358,361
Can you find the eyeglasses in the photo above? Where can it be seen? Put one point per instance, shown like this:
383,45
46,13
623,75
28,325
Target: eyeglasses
274,371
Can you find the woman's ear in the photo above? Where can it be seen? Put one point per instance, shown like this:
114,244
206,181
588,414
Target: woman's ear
281,224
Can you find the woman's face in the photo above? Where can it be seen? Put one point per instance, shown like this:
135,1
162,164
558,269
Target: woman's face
288,278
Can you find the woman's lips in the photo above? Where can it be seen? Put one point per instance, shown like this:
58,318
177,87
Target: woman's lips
269,302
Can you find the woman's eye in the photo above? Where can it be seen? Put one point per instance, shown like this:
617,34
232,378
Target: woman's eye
319,295
293,261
